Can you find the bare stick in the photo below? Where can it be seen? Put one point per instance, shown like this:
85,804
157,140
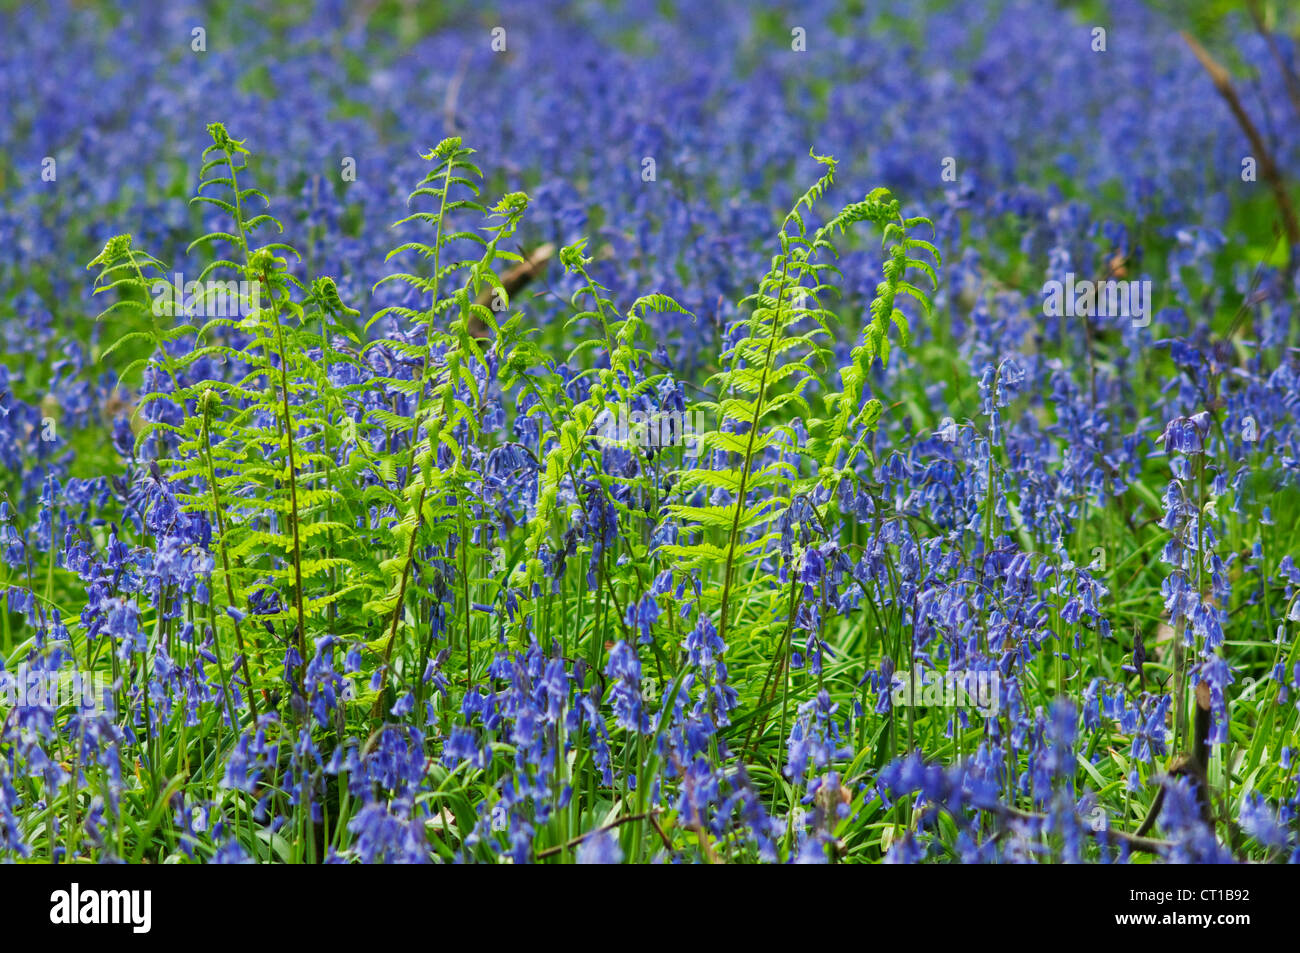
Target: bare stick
1288,74
1267,167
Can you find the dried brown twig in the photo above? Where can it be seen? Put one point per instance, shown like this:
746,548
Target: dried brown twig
1267,167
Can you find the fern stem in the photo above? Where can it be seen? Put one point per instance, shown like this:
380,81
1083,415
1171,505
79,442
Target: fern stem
293,494
749,452
397,610
225,565
415,443
775,670
243,235
464,574
221,673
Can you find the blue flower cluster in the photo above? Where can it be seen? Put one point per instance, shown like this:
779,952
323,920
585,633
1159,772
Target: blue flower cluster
1043,609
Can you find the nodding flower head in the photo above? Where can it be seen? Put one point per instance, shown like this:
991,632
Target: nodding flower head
1186,435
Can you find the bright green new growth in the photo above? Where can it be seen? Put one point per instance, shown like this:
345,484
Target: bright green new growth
288,518
771,368
328,508
345,478
446,393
